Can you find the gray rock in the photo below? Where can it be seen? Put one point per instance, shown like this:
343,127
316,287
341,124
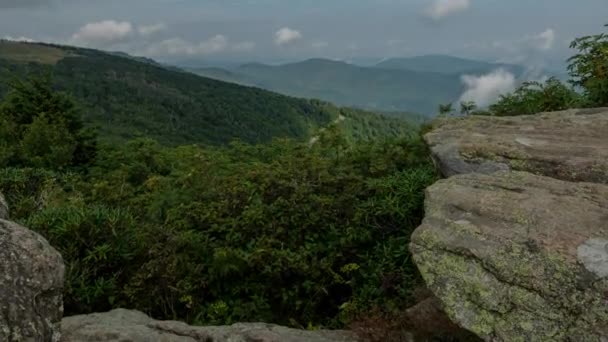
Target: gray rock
31,284
3,208
134,326
569,145
518,257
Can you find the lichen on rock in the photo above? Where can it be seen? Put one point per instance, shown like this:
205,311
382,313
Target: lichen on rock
502,252
568,145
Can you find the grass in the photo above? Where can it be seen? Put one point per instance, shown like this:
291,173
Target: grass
30,53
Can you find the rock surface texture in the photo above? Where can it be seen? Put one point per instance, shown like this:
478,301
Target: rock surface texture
520,256
570,145
3,208
134,326
31,282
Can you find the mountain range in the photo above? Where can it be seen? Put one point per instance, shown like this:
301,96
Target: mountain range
416,84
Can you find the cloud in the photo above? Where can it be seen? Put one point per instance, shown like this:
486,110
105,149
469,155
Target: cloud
102,33
543,41
181,47
18,39
486,89
444,8
146,30
286,35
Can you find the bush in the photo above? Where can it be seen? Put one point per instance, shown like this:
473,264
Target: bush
589,68
42,128
536,97
283,232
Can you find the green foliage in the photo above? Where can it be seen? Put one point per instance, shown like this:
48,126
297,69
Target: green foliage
98,244
589,68
282,232
446,109
128,98
42,128
305,233
298,233
467,107
536,97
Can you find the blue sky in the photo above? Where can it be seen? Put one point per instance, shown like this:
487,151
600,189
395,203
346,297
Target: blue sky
522,31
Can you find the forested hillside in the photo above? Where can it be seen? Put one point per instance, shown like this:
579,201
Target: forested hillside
294,232
130,97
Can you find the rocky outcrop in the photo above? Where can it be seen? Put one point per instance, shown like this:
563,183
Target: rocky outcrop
134,326
520,256
31,282
3,208
569,145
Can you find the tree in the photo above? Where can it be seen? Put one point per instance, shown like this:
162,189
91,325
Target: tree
466,107
42,127
445,109
536,97
589,68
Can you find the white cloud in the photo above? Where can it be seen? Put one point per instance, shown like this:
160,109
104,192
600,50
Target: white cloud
181,47
102,33
286,35
444,8
486,89
146,30
18,39
544,40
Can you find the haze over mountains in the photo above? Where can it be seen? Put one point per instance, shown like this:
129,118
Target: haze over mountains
416,84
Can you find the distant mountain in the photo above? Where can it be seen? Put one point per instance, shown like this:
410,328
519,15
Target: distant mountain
129,96
446,65
350,85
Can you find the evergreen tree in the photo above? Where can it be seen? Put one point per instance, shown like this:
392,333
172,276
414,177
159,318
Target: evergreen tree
42,127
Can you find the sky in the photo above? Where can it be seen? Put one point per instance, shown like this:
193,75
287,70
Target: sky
532,32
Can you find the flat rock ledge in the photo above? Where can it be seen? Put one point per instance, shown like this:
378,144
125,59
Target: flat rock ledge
569,145
134,326
514,243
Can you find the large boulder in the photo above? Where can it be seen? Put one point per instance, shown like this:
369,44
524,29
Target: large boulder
518,257
31,283
3,208
134,326
569,145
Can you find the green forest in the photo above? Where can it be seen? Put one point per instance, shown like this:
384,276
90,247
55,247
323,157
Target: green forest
128,98
213,220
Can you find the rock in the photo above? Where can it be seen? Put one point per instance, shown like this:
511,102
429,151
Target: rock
428,322
569,145
3,208
31,284
134,326
518,257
